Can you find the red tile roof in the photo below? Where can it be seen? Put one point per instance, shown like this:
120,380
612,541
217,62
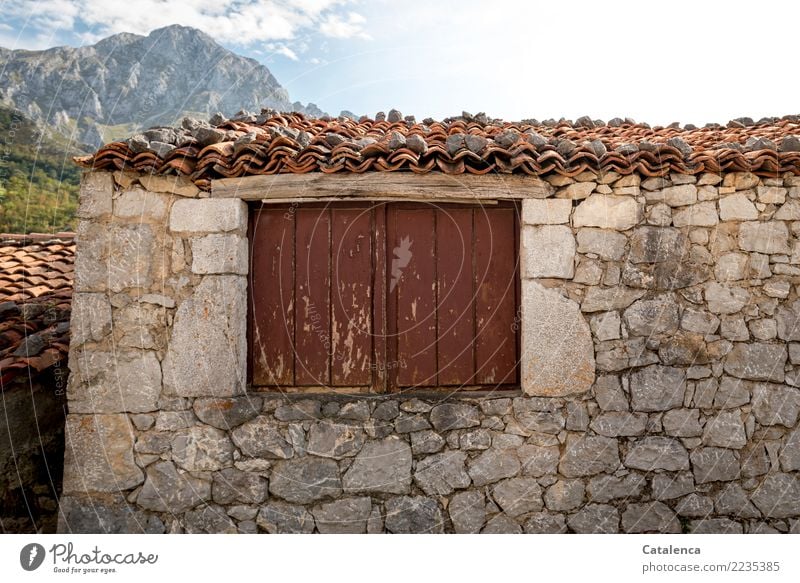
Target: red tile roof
35,297
292,143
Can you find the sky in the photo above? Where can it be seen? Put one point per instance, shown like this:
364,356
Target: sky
692,61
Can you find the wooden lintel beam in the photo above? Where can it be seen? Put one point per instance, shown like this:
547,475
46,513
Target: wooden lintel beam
434,185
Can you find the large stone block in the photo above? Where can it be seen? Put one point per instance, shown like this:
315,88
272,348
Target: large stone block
202,449
493,465
790,452
208,215
608,245
206,355
282,518
657,245
449,416
724,299
130,256
741,180
650,517
167,490
608,212
380,466
757,361
725,430
657,453
658,315
99,454
261,437
141,325
114,382
614,298
549,211
788,212
548,251
345,516
442,473
564,495
714,464
775,404
467,512
771,237
731,267
778,496
91,267
170,184
141,205
606,488
657,388
788,322
413,515
587,455
96,195
702,214
737,207
619,424
90,319
227,413
517,496
678,195
306,479
231,486
218,253
209,519
335,440
557,348
595,519
662,258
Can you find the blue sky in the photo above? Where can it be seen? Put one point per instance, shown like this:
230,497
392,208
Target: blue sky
689,61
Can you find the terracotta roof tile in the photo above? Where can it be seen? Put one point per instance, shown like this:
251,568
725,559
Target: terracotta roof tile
292,143
35,301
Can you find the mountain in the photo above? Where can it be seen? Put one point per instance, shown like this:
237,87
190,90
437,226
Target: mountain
126,82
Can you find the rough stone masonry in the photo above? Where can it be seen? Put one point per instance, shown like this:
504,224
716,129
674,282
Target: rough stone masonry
660,373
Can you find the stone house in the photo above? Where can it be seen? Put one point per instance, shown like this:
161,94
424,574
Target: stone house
284,324
35,292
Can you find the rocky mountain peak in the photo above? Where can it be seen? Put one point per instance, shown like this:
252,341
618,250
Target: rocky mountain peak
127,82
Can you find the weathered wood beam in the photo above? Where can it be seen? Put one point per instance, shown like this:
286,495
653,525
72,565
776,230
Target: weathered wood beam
361,199
370,185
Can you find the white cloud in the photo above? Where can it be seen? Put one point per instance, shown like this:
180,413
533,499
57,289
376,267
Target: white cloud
337,27
282,49
238,22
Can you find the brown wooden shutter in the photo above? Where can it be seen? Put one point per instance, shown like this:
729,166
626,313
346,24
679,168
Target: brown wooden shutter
452,311
376,297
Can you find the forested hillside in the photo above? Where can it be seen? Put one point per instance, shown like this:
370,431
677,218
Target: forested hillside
38,181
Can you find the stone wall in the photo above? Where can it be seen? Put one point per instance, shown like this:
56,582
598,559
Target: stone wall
660,364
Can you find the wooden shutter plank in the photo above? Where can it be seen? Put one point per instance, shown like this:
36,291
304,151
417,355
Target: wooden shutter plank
312,293
495,260
379,300
272,296
455,310
351,296
413,274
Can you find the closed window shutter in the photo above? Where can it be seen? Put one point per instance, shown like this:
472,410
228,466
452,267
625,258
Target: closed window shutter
383,296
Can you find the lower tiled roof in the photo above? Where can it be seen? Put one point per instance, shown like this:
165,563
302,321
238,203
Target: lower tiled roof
36,274
273,143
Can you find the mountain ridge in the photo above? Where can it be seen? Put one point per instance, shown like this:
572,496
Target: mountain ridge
128,82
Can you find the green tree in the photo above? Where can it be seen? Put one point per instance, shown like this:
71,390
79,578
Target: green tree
39,183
